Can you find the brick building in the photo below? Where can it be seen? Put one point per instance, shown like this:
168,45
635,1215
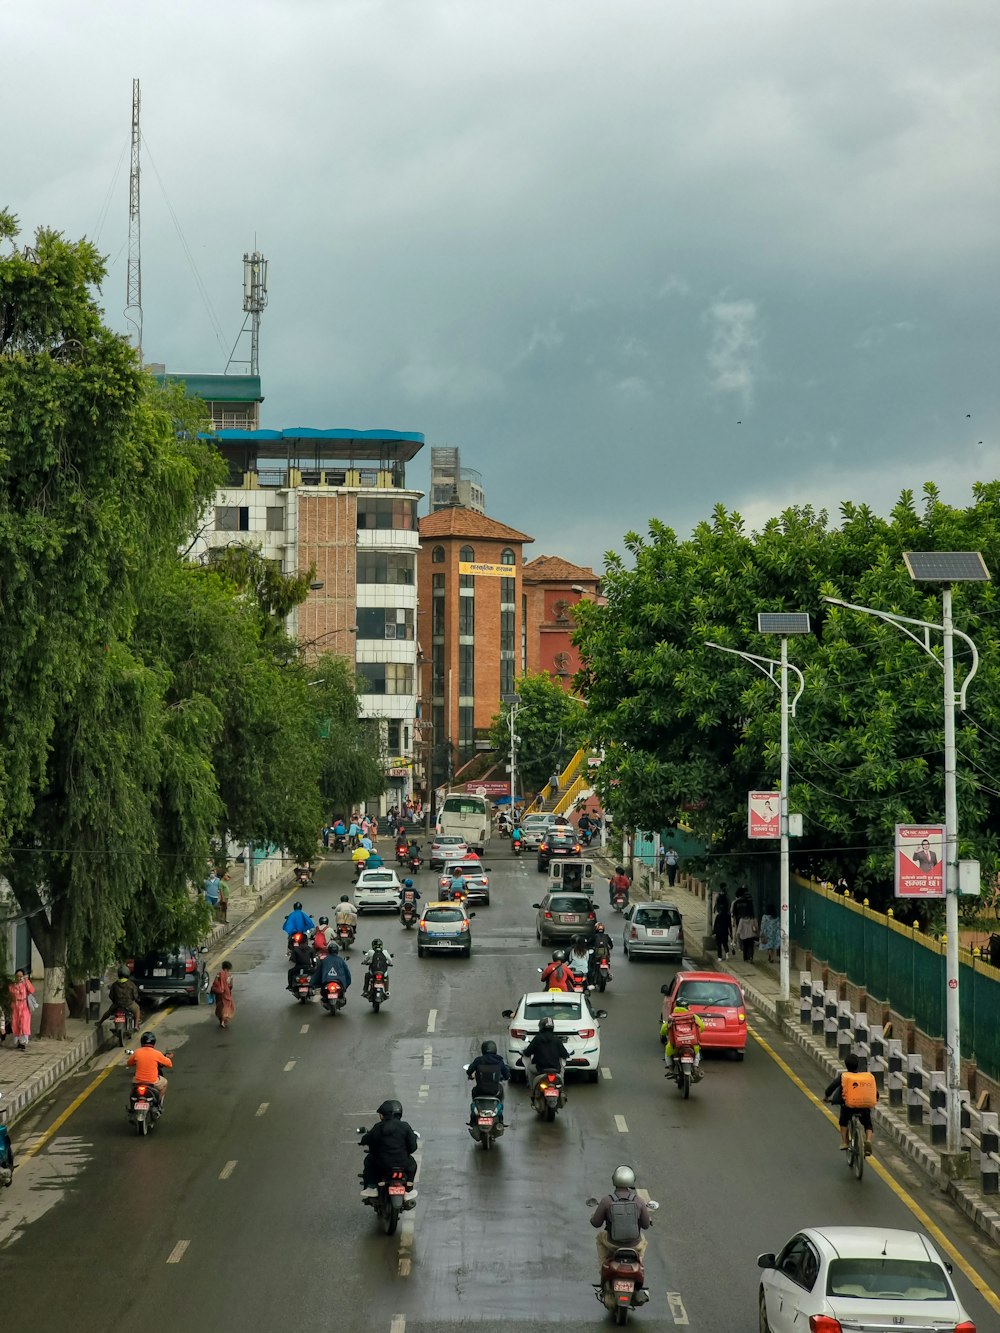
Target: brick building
470,627
551,588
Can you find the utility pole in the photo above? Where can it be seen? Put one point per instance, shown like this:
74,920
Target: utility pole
512,702
133,285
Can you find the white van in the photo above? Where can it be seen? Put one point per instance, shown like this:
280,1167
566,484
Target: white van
465,816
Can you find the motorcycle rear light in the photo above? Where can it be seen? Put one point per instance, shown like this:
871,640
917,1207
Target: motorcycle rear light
586,1032
543,846
824,1323
140,1089
551,1077
380,976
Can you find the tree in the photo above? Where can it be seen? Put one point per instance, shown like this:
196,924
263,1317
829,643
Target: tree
352,767
551,725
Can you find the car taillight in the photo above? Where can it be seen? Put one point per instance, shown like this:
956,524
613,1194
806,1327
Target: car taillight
633,934
966,1326
577,847
586,1032
591,916
464,925
548,916
680,935
741,1016
422,926
191,965
824,1323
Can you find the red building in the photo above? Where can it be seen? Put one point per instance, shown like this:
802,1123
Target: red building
552,586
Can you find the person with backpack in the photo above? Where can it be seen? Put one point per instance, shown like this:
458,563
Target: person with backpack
855,1094
322,935
377,959
621,1217
489,1072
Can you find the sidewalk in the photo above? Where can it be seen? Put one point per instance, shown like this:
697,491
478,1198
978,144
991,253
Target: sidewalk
761,985
27,1075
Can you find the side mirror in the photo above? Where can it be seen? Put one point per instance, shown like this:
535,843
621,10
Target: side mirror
537,906
361,1129
765,1261
471,914
466,1068
506,1013
652,1205
664,989
600,1013
128,1052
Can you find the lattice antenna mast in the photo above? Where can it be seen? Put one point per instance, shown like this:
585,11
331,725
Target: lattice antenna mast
254,301
133,295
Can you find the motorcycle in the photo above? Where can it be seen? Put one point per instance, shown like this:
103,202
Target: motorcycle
402,853
683,1065
332,996
548,1095
602,973
517,844
393,1197
413,859
619,900
487,1125
6,1155
123,1024
340,842
345,936
301,987
378,991
408,911
144,1105
623,1279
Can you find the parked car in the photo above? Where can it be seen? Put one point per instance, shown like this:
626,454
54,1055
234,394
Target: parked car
378,890
831,1278
653,928
556,843
445,927
533,826
446,847
475,874
560,916
718,998
174,974
574,1020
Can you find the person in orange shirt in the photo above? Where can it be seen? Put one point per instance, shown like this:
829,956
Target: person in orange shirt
146,1062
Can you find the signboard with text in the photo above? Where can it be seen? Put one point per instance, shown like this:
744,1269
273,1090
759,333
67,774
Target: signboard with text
491,571
920,861
763,814
489,789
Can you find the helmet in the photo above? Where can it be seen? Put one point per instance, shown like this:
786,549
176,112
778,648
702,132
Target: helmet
546,1025
333,947
123,973
600,927
377,943
489,1048
390,1110
558,955
344,898
147,1039
623,1178
407,883
296,907
324,921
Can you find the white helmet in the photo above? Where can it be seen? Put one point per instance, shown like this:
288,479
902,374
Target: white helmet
623,1178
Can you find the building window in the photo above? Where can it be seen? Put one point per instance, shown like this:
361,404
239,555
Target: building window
437,618
232,518
376,567
368,477
508,557
393,736
385,622
437,673
467,555
467,616
386,677
274,518
387,513
466,670
466,728
437,555
506,675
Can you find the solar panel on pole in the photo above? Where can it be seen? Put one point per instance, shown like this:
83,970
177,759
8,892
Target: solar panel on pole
783,622
946,566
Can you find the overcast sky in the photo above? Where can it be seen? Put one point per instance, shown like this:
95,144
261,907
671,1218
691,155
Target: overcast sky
635,257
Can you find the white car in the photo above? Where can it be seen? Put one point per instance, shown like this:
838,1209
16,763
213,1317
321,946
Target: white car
533,826
575,1022
378,890
828,1278
446,847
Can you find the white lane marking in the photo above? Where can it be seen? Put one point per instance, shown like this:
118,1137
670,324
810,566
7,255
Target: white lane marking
227,1170
262,1108
605,1072
620,1124
428,1056
177,1253
290,1065
432,1019
677,1307
423,1092
398,1324
304,1027
406,1249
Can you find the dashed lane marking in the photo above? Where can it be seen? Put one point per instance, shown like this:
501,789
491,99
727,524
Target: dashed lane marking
406,1248
398,1324
304,1028
605,1072
227,1170
423,1092
177,1253
428,1056
432,1019
620,1124
262,1109
677,1311
290,1065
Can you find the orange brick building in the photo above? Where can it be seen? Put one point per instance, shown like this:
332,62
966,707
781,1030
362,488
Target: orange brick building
470,630
551,588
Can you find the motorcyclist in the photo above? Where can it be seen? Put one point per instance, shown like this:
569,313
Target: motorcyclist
339,829
579,959
376,959
412,849
322,934
402,846
668,1032
304,872
147,1062
489,1072
345,913
360,857
374,861
410,895
618,883
625,1224
391,1144
297,921
557,976
516,836
300,954
123,993
602,946
545,1053
458,887
331,968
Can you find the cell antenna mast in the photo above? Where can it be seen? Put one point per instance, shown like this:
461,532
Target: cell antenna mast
254,301
133,295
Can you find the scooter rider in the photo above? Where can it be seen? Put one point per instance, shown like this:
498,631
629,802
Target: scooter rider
148,1062
391,1144
516,836
557,975
301,956
621,1217
376,959
545,1052
603,944
322,934
618,883
489,1072
668,1031
345,913
123,993
332,967
297,921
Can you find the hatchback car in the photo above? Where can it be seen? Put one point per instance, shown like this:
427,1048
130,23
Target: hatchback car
563,915
575,1021
556,843
533,826
446,847
174,974
476,876
832,1278
444,928
653,928
718,998
378,891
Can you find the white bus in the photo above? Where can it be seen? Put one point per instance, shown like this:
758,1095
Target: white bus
465,816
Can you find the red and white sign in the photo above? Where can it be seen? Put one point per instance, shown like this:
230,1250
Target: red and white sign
920,861
488,788
763,814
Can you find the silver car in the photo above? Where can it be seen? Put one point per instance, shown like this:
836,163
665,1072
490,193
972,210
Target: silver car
561,916
533,826
653,928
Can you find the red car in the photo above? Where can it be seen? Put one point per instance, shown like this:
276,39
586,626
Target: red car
718,998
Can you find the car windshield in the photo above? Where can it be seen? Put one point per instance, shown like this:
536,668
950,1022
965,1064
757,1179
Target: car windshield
657,918
709,992
888,1279
444,914
374,877
466,868
449,842
568,905
567,1009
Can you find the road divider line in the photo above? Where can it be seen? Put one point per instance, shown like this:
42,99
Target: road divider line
620,1124
227,1170
398,1324
262,1109
605,1072
304,1028
677,1311
432,1019
428,1056
406,1249
935,1232
289,1066
177,1253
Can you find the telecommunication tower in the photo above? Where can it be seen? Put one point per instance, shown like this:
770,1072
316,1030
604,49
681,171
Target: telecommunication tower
133,292
254,301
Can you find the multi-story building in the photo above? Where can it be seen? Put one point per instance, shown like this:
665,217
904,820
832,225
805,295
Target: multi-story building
451,483
233,401
552,586
470,629
336,502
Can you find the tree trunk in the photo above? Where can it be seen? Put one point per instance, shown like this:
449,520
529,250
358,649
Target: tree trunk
76,999
54,1003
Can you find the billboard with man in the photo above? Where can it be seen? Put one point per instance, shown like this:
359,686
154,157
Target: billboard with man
920,861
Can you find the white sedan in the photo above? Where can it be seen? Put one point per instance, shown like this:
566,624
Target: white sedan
576,1024
833,1278
378,890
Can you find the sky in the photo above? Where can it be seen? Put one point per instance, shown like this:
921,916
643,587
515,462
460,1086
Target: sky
636,258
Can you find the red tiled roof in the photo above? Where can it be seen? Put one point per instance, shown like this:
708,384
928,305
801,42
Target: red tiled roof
457,521
553,568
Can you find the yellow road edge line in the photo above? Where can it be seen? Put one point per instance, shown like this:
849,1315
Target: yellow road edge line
980,1284
150,1023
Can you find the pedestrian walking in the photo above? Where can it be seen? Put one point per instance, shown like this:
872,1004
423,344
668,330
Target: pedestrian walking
747,930
22,1005
672,861
770,933
722,926
222,989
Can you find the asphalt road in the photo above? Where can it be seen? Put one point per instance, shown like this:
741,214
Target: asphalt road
241,1210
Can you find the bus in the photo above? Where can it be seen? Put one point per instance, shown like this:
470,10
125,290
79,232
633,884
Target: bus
466,816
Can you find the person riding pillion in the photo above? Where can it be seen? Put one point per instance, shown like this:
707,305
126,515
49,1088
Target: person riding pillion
345,913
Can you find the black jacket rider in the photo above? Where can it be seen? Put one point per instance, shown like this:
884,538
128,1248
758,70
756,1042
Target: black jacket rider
391,1145
489,1073
546,1052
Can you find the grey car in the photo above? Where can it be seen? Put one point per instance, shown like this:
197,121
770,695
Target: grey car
560,916
653,928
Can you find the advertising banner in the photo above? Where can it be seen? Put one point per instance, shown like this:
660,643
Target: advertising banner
491,789
491,571
920,861
764,814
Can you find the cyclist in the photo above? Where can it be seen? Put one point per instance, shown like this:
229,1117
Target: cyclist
855,1094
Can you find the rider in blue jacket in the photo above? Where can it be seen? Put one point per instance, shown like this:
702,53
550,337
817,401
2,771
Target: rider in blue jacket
297,921
331,966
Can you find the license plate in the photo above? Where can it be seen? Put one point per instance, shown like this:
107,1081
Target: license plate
713,1022
142,1106
620,1285
119,1021
552,1095
397,1189
657,932
303,990
486,1120
568,919
159,971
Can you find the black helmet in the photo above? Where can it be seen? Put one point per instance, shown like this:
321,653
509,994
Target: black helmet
546,1025
333,947
344,898
147,1039
296,907
377,943
324,921
558,955
123,974
489,1048
390,1110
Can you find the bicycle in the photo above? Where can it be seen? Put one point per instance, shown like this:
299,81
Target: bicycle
856,1146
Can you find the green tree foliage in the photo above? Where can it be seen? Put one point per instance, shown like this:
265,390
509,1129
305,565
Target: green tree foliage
551,724
690,730
352,765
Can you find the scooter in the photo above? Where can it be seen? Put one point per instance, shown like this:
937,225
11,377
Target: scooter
622,1287
123,1024
548,1095
301,987
6,1152
517,844
413,859
619,900
408,911
486,1119
393,1198
378,991
602,973
345,936
684,1070
144,1105
402,853
332,996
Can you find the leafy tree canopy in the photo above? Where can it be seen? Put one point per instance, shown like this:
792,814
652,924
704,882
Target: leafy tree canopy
551,725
